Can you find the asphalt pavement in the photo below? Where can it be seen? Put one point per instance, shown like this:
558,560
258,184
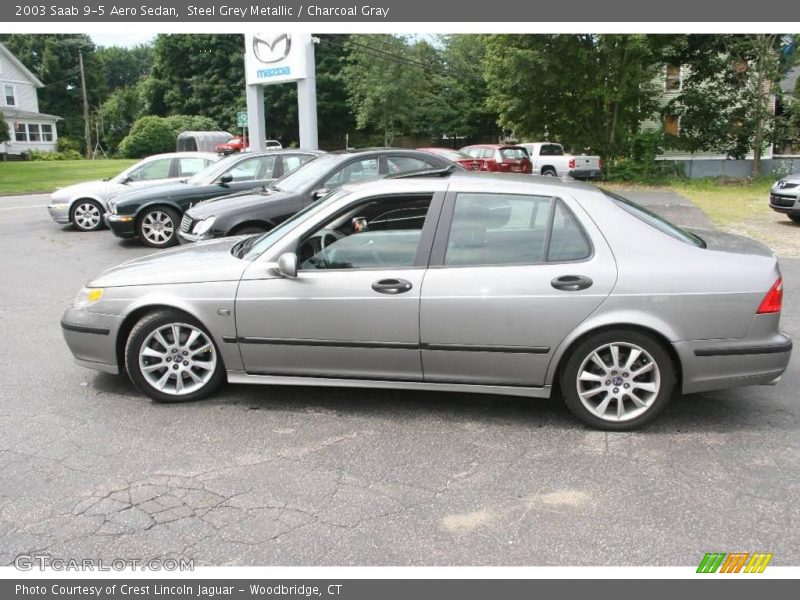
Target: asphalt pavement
89,467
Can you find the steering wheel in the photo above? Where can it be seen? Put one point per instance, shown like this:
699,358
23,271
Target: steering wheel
317,243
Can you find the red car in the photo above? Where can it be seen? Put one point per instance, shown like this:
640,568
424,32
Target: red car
239,144
501,157
458,157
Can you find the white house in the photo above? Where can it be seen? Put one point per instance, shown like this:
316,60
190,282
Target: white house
19,103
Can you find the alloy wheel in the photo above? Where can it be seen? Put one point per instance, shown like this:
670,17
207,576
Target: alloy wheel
618,381
87,216
157,227
177,359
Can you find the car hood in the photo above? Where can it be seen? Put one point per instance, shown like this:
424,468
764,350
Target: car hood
102,189
235,202
729,242
201,262
791,179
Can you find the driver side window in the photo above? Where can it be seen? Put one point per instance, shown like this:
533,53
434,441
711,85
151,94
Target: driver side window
251,169
354,171
379,233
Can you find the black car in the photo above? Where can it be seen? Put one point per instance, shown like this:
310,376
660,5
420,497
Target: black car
153,214
262,209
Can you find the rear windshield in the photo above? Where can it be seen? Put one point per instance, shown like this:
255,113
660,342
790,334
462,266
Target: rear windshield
654,220
513,153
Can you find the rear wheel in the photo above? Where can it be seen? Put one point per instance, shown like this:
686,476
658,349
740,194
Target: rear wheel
172,358
158,227
618,380
549,172
87,215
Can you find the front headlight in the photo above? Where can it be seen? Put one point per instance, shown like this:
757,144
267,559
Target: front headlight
88,296
112,207
203,226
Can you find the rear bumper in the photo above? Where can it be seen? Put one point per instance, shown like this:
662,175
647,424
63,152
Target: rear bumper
123,226
720,364
585,173
92,338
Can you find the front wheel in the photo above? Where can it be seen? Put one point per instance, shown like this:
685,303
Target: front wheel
158,227
87,215
172,358
618,380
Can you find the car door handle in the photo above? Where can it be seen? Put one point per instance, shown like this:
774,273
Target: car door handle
571,283
392,286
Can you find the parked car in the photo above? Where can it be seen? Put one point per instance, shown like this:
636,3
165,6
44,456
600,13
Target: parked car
458,157
239,144
263,209
84,204
154,214
784,197
480,283
500,157
550,159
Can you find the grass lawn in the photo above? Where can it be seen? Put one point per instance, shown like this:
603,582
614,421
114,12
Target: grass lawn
27,177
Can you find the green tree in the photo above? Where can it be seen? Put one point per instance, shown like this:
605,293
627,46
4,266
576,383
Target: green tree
5,131
118,113
125,67
154,135
587,91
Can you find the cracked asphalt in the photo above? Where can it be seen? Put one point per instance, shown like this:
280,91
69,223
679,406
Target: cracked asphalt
298,476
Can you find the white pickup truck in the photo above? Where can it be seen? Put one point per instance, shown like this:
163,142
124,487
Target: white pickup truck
548,158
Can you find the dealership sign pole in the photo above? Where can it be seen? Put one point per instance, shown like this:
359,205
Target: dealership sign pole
281,58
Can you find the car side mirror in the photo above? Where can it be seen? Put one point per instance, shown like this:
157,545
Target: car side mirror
320,193
127,180
287,264
225,179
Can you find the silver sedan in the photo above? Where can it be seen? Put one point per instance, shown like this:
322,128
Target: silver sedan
449,282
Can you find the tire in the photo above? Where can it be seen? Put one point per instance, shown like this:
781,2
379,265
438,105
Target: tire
150,363
86,215
549,172
795,218
157,227
600,386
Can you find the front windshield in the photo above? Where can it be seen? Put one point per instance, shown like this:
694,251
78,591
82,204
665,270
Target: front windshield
656,221
306,175
212,171
253,247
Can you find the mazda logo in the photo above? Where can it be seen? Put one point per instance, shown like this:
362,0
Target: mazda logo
272,48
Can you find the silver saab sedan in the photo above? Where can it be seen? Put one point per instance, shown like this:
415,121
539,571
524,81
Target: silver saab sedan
448,281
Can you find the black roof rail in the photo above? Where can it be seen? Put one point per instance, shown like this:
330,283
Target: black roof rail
441,172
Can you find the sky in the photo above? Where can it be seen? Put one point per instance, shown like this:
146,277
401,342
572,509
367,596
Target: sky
121,39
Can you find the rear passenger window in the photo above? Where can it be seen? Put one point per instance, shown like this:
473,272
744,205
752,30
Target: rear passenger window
510,229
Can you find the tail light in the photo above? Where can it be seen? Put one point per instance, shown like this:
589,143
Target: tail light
571,163
773,301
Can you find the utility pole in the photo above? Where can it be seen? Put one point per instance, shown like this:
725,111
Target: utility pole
87,132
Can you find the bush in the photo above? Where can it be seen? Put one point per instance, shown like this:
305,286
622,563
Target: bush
154,135
65,144
5,132
42,155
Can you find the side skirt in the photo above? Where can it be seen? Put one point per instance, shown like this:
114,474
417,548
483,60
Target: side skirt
505,390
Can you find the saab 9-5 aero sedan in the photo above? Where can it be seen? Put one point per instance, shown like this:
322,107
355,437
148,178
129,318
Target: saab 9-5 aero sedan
449,281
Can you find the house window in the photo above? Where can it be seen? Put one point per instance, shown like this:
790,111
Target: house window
20,133
34,134
47,132
671,124
674,81
10,96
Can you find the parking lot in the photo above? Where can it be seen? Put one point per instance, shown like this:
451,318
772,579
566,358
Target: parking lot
89,467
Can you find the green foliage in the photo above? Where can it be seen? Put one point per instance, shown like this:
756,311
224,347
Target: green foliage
125,67
5,130
65,144
42,155
154,135
590,92
119,111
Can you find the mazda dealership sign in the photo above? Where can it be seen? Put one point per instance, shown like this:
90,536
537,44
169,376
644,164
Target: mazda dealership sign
275,57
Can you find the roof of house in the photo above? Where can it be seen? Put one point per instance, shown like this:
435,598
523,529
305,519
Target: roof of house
17,63
16,113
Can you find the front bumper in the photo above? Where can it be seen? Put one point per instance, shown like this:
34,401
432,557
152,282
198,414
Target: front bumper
92,338
59,212
123,226
191,238
783,202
